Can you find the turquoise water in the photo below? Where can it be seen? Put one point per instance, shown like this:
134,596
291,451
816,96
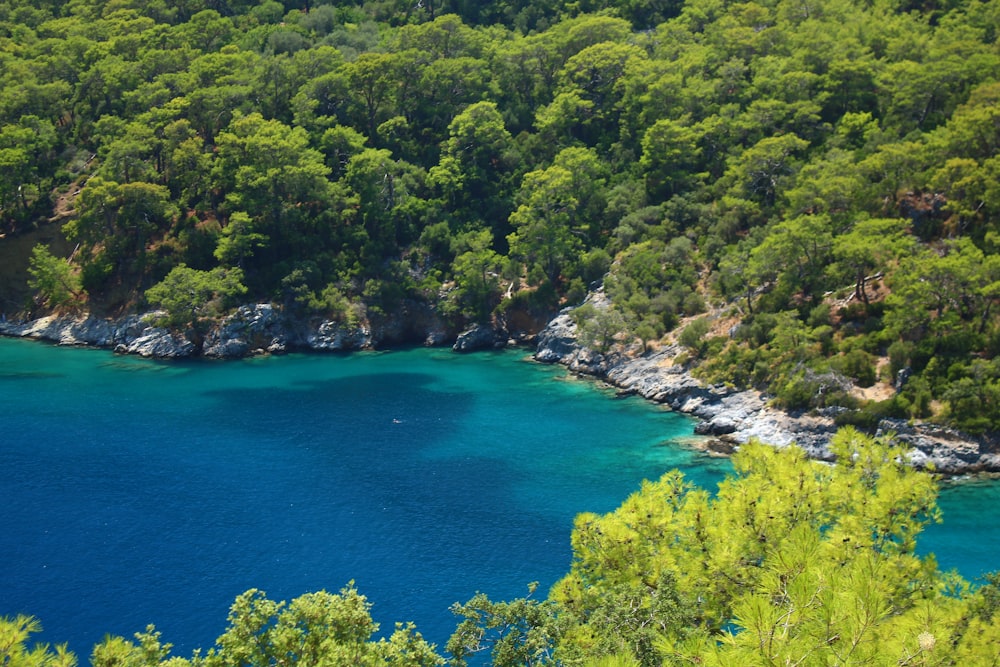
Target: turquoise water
141,492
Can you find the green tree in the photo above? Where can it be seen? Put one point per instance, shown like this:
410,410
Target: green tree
795,251
188,295
761,171
778,531
560,213
476,268
669,153
14,649
543,237
116,224
315,628
599,326
519,632
388,202
54,278
372,83
26,158
270,172
869,246
473,173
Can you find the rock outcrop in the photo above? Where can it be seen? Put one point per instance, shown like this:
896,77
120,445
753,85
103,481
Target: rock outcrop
557,341
252,329
159,343
131,335
480,337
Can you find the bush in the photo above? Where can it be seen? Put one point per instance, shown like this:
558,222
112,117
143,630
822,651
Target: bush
694,335
900,353
188,295
53,278
857,365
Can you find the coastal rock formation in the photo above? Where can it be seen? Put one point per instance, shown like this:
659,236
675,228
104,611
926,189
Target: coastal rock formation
130,335
557,341
87,330
338,337
735,417
158,343
729,417
480,337
252,328
944,449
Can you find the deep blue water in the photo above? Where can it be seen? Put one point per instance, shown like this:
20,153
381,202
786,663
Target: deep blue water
139,492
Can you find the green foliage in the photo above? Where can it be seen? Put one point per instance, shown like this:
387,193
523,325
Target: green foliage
598,326
315,628
188,295
54,278
16,652
476,269
791,561
519,632
774,156
693,335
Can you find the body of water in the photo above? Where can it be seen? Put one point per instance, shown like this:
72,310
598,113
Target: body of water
140,492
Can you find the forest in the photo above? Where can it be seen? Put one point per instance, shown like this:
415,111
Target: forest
802,192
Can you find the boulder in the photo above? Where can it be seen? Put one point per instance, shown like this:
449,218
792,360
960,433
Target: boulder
557,340
158,343
250,329
720,425
331,335
480,337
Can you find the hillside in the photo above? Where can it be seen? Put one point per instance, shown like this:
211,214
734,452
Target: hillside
820,177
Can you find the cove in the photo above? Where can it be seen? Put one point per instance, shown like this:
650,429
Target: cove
142,492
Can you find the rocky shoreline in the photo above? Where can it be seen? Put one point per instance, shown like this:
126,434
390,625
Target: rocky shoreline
250,330
729,417
734,417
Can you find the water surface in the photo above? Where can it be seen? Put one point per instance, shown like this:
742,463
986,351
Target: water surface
144,492
139,492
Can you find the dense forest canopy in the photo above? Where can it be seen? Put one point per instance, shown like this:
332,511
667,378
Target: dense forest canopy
821,178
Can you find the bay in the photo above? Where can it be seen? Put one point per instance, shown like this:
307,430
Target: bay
139,492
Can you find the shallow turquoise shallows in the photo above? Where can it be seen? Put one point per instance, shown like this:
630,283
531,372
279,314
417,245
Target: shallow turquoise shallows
140,492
